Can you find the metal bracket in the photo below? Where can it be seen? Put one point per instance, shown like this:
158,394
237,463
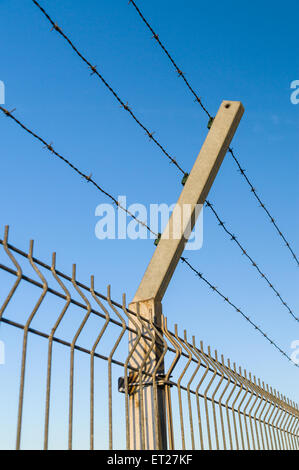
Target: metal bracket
133,386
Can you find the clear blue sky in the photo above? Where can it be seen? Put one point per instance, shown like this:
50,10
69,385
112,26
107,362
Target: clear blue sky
228,50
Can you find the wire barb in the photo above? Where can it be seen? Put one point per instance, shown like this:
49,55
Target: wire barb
93,69
56,27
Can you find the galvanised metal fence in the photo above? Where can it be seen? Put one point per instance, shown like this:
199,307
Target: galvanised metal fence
209,402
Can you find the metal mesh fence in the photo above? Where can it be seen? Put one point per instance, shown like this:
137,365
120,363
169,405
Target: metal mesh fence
75,360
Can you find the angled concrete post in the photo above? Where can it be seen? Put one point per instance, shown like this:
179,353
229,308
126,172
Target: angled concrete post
148,429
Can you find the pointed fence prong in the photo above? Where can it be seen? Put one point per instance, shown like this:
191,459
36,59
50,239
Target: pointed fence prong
185,336
92,282
31,245
6,230
109,292
54,260
19,272
74,273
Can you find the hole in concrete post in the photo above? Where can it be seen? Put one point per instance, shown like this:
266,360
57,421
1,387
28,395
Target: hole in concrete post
227,105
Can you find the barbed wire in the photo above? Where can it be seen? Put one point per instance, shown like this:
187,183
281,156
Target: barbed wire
94,71
238,310
114,200
180,73
89,178
263,206
58,29
231,151
254,264
150,134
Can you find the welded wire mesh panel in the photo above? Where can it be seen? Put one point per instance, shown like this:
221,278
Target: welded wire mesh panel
83,371
222,407
64,350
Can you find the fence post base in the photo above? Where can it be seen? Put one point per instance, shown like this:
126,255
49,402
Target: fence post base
147,409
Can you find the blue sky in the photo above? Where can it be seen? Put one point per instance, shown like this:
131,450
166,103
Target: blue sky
228,50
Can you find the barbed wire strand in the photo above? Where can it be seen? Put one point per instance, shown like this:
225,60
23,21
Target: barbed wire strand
231,151
263,206
254,264
121,102
89,178
179,71
238,310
